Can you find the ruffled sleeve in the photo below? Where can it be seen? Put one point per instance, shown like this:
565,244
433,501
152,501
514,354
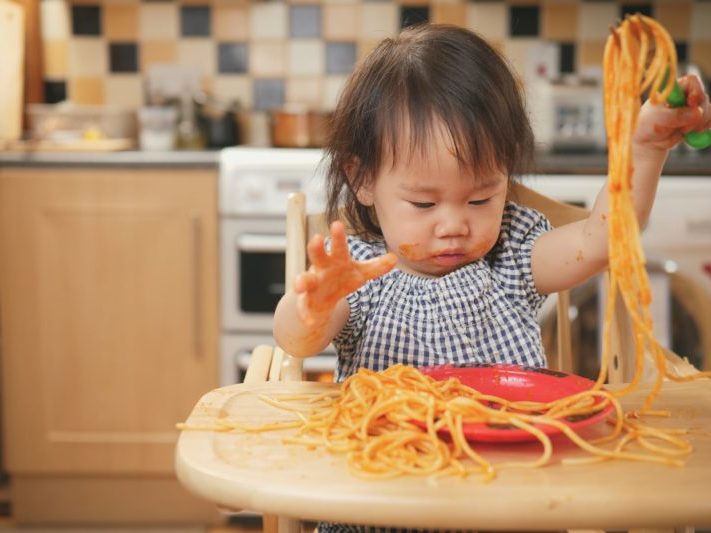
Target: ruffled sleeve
510,259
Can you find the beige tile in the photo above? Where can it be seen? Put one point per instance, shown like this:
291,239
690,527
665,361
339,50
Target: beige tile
333,85
155,52
87,56
230,22
488,19
675,16
595,19
700,54
54,16
559,21
306,57
158,20
341,22
121,21
237,88
55,58
591,52
124,90
201,53
518,52
701,21
379,20
306,90
449,13
365,47
268,20
86,90
267,58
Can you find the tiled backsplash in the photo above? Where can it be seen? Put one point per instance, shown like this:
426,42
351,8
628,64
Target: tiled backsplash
267,53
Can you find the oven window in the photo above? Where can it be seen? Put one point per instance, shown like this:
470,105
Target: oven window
261,282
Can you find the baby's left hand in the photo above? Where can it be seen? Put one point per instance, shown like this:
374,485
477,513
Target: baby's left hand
660,127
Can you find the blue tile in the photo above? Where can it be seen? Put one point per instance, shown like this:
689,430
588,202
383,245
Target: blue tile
86,20
232,57
55,91
123,57
411,15
268,94
305,21
340,57
632,8
566,58
195,21
524,21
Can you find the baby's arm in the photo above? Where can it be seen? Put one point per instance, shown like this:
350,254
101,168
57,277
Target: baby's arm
568,255
311,315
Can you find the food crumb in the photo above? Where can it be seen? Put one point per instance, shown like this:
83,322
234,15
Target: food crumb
579,257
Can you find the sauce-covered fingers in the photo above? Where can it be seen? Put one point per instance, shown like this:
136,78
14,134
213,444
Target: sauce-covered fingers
305,282
316,251
694,90
378,266
339,245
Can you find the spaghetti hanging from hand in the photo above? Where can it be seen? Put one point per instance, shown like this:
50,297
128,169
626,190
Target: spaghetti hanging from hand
639,57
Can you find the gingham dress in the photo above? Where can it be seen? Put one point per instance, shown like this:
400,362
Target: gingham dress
484,312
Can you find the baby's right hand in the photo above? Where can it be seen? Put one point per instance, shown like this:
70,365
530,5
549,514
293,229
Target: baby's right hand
333,276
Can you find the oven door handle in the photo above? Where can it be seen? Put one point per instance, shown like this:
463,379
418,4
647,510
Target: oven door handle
261,243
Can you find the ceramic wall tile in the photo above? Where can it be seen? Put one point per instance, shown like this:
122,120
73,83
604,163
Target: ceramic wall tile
488,19
87,57
158,20
86,90
268,20
267,58
306,57
379,20
121,21
124,90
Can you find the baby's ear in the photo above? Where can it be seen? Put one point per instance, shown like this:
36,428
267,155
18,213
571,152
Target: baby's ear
362,189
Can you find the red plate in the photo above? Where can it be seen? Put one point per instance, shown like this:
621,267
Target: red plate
517,383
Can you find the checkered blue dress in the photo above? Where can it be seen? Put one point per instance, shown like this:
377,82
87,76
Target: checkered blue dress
484,312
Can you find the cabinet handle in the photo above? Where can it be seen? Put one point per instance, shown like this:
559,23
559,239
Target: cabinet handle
197,322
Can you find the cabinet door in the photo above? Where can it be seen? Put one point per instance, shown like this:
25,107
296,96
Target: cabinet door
108,293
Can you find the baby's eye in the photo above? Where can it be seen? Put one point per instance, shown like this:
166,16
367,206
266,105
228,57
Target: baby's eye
479,202
422,205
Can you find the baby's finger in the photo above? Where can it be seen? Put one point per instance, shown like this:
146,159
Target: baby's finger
317,251
306,282
694,90
339,245
378,266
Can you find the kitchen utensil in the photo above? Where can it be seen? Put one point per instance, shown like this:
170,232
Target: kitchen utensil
296,126
695,139
12,44
517,383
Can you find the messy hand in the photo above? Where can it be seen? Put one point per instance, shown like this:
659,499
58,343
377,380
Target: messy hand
334,275
660,127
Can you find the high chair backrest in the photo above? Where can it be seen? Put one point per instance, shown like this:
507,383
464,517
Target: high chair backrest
300,228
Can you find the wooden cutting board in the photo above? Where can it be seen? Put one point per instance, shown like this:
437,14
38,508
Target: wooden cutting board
12,44
258,471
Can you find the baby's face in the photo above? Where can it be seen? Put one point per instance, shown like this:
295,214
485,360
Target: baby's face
435,214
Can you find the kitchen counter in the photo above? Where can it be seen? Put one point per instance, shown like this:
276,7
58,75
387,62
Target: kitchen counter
680,162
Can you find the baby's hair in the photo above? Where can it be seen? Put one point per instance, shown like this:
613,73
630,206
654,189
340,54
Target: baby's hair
428,75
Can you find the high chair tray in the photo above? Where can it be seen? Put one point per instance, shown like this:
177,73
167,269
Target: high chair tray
257,471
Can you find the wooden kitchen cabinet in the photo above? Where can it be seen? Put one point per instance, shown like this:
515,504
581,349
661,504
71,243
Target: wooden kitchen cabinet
108,308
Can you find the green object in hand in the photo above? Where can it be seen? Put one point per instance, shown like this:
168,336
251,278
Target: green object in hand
695,139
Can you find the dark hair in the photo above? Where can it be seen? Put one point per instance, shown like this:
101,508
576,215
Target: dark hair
428,73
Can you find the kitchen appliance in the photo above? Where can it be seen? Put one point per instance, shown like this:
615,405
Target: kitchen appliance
567,115
253,190
677,244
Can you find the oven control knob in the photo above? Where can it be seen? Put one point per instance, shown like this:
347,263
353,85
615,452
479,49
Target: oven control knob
253,192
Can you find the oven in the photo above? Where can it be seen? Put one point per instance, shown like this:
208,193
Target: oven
254,186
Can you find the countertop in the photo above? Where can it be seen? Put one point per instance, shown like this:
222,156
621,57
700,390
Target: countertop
681,162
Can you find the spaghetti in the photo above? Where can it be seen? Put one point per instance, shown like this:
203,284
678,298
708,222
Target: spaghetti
639,57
